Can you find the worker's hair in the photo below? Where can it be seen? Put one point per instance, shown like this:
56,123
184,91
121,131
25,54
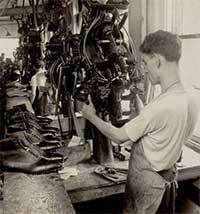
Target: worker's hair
164,43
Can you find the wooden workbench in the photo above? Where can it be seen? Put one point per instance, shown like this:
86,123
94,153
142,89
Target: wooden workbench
87,185
82,187
35,194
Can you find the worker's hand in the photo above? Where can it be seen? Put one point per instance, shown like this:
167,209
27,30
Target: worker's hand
88,109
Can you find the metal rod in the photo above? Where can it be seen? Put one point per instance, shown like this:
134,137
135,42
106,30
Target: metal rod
190,36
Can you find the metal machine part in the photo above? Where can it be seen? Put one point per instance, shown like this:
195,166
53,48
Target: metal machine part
98,61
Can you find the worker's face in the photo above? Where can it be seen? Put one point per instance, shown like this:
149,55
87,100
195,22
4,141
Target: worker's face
151,68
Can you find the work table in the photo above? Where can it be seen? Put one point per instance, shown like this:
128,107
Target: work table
83,186
87,185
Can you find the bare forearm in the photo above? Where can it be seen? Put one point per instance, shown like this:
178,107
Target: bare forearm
113,133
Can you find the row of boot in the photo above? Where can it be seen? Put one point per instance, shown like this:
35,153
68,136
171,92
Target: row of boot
31,144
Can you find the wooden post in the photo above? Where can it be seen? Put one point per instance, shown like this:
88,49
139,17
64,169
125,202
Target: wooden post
102,148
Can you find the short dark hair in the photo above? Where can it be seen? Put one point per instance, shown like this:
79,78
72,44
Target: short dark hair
164,43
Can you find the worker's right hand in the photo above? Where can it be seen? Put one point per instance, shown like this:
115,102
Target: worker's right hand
88,109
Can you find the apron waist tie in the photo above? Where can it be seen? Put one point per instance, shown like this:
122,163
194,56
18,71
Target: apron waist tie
171,189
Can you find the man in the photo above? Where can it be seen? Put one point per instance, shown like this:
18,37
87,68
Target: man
39,89
159,131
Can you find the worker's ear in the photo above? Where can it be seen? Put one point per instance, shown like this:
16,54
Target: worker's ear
159,63
159,60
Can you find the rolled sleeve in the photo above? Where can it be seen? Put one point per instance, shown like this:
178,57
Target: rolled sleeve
136,128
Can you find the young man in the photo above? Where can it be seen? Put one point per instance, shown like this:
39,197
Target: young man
159,131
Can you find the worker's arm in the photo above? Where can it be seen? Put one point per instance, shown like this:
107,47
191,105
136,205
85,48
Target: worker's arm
117,135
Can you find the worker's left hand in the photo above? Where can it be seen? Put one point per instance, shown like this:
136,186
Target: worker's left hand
88,109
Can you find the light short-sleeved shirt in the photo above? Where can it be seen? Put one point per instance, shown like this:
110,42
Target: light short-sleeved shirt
163,126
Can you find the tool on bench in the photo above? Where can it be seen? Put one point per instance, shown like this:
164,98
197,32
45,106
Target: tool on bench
117,175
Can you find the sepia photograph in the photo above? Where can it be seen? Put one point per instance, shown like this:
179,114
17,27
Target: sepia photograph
99,106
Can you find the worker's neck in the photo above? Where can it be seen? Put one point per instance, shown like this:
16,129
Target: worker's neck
170,79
